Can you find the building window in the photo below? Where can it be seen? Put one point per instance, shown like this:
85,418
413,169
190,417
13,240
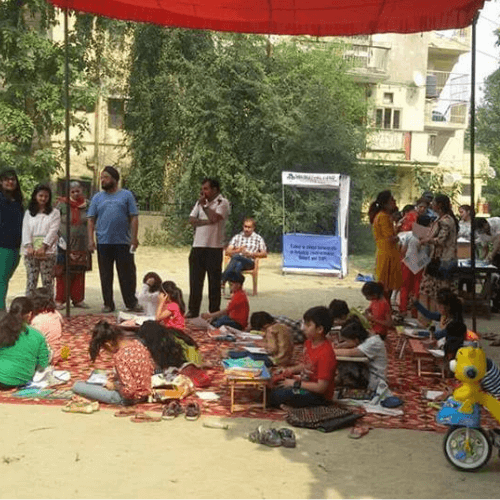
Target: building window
116,113
465,189
431,145
388,98
388,118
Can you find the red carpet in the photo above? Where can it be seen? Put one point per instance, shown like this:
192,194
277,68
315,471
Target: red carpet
402,378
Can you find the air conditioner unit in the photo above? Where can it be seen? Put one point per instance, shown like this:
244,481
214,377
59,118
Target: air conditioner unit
431,86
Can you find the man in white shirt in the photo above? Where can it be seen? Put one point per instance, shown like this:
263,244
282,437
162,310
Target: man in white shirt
244,248
208,218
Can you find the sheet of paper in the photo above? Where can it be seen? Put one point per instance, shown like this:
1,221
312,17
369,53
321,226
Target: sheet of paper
256,350
207,395
420,231
433,394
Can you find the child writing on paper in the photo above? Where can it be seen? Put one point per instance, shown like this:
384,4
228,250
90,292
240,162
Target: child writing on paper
277,336
379,312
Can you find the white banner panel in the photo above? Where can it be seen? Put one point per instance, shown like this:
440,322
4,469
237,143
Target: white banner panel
308,180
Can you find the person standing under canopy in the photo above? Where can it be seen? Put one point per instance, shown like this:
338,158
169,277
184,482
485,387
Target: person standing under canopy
114,216
11,224
388,260
80,259
208,219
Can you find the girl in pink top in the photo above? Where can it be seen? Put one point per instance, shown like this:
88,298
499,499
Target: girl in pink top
48,321
171,308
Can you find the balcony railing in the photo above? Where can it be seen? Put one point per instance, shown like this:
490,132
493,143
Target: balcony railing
454,85
385,140
455,115
366,57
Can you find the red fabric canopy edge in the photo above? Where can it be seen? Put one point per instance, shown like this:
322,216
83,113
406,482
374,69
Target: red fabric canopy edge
290,17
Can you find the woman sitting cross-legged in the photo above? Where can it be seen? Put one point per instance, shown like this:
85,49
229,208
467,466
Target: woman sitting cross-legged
133,366
22,348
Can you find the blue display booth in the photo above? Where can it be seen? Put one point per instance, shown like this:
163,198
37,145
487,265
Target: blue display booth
317,253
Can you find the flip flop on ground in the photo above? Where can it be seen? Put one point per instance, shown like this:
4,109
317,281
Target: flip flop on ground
359,431
140,418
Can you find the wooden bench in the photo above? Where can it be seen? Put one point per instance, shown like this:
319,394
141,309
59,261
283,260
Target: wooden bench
422,355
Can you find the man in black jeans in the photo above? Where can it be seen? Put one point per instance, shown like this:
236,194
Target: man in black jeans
208,219
114,217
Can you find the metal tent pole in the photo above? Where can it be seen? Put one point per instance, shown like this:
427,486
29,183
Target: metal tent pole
472,172
67,151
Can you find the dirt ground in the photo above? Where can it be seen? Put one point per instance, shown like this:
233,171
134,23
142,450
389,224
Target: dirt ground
46,453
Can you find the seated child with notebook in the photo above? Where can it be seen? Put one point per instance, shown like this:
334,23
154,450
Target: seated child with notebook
341,312
312,382
277,336
364,343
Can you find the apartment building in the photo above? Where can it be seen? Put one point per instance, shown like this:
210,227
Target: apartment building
418,114
419,109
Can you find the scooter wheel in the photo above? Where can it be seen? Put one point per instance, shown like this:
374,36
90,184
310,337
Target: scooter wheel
467,448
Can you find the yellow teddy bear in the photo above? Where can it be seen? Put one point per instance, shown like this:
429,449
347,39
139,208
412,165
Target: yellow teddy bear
469,367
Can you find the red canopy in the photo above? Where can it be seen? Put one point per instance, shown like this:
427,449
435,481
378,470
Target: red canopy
291,17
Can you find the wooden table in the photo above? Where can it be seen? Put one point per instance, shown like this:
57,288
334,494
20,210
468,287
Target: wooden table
421,354
483,274
247,383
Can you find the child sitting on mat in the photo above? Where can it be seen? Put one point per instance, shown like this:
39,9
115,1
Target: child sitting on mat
22,348
379,312
364,343
48,321
277,336
312,382
171,307
133,366
149,295
236,313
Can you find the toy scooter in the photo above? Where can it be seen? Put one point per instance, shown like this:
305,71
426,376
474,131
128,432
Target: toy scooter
466,445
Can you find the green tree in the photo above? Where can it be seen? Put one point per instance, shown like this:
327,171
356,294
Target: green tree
227,106
487,135
32,106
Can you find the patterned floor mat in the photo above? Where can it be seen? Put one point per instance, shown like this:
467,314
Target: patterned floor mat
402,378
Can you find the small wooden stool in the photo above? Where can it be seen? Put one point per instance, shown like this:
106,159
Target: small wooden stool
420,354
247,383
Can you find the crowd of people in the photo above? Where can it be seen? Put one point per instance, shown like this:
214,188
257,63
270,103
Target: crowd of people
416,255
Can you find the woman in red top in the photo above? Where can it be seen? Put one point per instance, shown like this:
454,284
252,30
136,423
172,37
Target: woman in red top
171,308
133,367
379,312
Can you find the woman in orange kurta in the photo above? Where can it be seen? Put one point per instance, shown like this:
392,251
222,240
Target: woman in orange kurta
388,260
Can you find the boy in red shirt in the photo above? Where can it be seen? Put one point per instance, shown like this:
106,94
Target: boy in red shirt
312,382
238,309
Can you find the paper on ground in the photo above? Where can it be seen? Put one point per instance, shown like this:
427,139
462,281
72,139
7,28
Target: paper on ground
207,395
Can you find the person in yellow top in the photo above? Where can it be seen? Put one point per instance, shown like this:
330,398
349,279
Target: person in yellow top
388,260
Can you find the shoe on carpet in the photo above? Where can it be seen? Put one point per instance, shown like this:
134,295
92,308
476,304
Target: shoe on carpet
191,314
107,310
60,305
81,305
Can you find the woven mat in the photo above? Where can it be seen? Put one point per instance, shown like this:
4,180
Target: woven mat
402,378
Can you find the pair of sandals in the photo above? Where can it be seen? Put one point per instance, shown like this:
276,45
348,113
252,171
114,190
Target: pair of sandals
192,411
273,437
